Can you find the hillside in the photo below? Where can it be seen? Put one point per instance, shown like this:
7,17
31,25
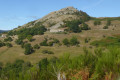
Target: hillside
67,40
55,19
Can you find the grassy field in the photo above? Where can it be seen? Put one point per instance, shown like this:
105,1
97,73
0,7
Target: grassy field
96,33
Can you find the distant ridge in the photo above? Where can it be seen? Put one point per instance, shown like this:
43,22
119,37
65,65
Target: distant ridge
1,31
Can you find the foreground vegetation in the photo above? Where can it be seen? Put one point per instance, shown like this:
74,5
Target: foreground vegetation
102,65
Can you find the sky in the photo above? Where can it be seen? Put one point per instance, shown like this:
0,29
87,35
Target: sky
14,13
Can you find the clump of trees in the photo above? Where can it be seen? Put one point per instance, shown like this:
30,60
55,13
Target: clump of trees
36,46
28,49
73,41
8,45
8,39
66,42
46,42
2,44
19,41
85,27
73,26
5,44
28,32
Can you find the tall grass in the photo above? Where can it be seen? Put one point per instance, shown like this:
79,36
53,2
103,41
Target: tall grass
102,65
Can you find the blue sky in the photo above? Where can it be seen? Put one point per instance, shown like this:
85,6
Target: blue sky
18,12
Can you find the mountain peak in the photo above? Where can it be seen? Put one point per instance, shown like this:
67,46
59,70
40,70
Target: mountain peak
70,8
56,19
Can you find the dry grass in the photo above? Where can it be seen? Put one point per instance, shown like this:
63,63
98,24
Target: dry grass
96,33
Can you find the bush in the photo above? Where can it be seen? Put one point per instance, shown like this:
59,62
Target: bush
8,45
28,49
73,26
85,27
2,44
66,42
74,41
19,41
8,39
50,43
56,41
47,52
105,27
36,46
29,37
86,40
44,43
22,33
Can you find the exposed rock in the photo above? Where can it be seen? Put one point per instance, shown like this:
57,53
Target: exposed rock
55,19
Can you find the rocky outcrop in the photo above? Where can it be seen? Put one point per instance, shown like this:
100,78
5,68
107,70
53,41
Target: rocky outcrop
55,19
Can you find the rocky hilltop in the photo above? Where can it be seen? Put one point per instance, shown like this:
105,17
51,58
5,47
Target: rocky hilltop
55,19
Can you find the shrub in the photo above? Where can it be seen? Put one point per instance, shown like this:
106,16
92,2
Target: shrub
85,27
44,43
36,46
8,44
50,43
19,41
66,42
73,26
105,27
86,40
56,41
47,52
28,49
2,44
29,37
74,41
8,39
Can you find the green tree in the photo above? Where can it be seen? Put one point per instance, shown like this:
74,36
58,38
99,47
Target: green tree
74,26
8,45
36,46
19,41
74,41
8,39
29,37
44,43
85,27
105,27
66,42
28,49
2,44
